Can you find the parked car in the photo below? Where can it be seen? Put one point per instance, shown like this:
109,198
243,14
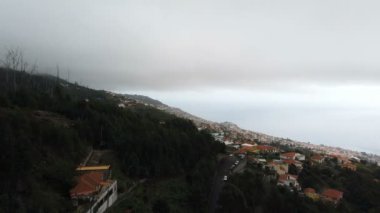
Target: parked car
225,178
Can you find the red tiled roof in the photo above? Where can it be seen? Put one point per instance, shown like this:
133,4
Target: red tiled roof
87,184
290,161
333,194
317,157
289,154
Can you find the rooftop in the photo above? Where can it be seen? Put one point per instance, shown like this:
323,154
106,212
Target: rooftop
87,184
333,194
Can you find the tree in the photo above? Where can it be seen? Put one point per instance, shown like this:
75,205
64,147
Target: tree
14,60
161,206
293,170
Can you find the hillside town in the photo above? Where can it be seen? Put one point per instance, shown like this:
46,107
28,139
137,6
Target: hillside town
228,132
283,166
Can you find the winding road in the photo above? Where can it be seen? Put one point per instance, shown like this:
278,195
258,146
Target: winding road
223,169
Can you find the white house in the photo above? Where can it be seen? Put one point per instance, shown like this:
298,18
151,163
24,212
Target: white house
289,181
105,199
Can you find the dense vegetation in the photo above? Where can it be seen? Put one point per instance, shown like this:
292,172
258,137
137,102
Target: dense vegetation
361,188
252,192
37,162
255,191
47,126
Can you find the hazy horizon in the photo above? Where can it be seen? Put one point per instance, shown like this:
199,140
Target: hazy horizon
309,71
302,123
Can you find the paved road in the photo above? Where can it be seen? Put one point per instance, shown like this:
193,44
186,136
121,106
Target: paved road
223,169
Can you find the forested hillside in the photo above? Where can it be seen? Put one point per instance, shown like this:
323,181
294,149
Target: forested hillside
47,126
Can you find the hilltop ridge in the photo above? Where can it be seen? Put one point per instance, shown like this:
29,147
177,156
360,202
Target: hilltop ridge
240,135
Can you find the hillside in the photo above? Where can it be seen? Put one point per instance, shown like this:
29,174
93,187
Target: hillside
237,134
166,156
48,126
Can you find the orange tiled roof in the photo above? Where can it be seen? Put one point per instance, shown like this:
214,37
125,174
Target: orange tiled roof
317,157
290,161
88,183
333,194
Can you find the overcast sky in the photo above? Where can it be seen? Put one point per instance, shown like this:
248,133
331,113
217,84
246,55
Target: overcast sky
307,70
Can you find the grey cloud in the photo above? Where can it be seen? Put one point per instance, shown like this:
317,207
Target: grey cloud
183,44
291,56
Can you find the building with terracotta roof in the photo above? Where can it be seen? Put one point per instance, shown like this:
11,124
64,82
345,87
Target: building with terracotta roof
332,195
289,180
296,163
87,185
265,149
317,159
288,155
292,156
278,166
94,191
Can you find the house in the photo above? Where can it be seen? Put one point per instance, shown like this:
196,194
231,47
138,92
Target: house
332,195
340,159
289,180
311,193
296,163
94,190
300,157
317,159
105,199
278,166
292,156
265,149
87,185
257,161
288,155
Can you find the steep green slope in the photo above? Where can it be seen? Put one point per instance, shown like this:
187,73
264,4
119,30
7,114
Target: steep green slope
47,124
37,162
